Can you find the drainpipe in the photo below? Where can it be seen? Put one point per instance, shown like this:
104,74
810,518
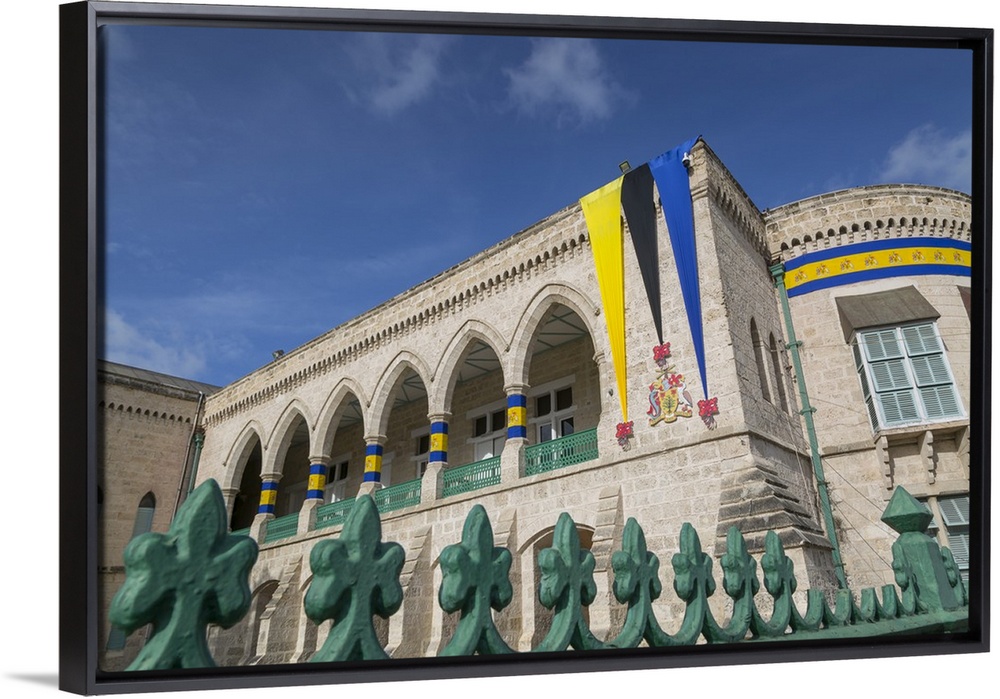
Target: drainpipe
778,273
199,441
196,440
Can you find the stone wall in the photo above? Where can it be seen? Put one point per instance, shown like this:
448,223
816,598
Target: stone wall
145,427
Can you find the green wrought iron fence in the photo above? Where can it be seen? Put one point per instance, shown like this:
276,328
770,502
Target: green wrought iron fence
464,479
356,577
333,513
562,452
398,496
242,532
282,528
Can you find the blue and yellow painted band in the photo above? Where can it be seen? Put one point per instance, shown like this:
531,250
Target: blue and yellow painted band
517,416
438,448
317,482
373,463
268,497
439,442
877,259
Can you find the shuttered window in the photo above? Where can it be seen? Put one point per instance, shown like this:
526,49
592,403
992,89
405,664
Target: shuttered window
955,513
905,377
954,525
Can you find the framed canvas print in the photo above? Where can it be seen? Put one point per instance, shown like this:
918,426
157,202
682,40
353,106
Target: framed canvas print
421,345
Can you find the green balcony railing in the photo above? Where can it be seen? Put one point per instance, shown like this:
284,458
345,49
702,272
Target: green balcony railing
241,532
397,496
562,452
282,528
464,479
333,513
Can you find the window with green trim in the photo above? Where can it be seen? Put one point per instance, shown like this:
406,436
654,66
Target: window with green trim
905,376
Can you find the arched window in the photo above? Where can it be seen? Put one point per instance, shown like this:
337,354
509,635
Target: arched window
143,523
758,354
778,373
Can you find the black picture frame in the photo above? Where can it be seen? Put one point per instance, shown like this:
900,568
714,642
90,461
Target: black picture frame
79,293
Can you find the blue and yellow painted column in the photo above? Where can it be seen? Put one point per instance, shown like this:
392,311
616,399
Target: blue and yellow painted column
512,457
319,467
268,495
517,413
373,459
438,453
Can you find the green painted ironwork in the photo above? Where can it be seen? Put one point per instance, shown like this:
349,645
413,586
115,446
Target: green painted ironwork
281,528
333,513
241,532
194,575
566,587
197,574
465,479
398,496
354,577
559,453
475,579
778,274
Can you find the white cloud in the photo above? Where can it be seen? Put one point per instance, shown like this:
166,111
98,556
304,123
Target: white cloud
564,77
928,155
402,73
127,344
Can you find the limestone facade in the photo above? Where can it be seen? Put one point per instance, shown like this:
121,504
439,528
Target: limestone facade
523,320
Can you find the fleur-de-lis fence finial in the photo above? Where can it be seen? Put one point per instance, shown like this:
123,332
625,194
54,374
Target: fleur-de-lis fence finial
739,580
476,578
354,578
567,585
182,581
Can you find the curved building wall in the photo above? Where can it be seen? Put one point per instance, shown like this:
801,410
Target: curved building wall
899,231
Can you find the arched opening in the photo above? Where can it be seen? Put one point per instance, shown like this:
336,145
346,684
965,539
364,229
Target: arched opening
478,406
405,454
541,618
248,497
564,394
758,355
294,468
346,449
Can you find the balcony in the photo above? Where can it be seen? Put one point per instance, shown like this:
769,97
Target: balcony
464,479
398,496
559,453
282,528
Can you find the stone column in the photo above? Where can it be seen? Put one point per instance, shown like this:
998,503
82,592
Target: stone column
512,458
432,483
318,469
372,479
229,497
265,511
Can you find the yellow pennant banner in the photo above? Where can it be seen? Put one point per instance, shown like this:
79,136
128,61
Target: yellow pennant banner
602,211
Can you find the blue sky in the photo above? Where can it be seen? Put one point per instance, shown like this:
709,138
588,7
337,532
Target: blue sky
263,186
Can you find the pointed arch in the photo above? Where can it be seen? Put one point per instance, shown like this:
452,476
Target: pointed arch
236,459
333,409
281,435
530,320
447,367
378,413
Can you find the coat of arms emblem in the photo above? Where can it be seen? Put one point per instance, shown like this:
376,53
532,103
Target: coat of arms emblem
668,395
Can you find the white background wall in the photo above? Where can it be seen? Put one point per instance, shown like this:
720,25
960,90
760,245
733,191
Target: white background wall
29,226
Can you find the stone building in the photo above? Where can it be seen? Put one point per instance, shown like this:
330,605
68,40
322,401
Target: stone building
147,422
495,382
